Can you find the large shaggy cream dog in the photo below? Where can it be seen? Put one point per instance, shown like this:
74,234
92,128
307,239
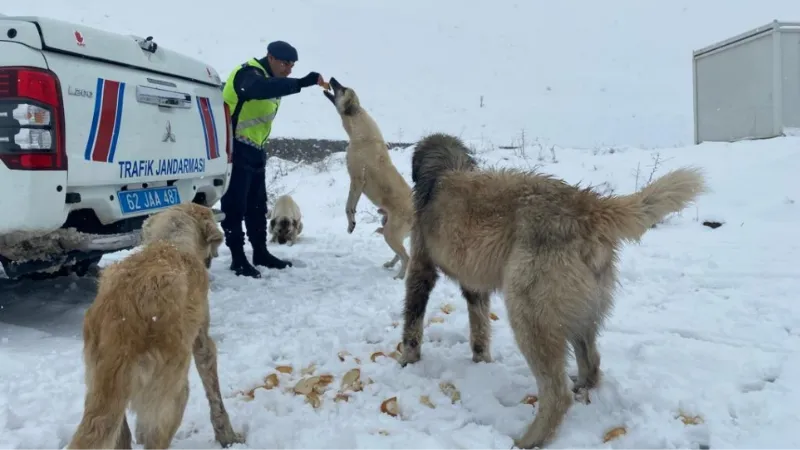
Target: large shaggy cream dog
373,174
549,247
149,318
285,220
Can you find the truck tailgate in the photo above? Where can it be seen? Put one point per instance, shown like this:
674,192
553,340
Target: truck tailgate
134,114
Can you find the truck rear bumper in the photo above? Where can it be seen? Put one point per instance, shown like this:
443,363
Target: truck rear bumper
68,247
121,241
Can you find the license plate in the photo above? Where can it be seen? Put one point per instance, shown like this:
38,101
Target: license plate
148,199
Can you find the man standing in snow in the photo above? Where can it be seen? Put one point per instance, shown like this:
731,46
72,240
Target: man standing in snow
253,93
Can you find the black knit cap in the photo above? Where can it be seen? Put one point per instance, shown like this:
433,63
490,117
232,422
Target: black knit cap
282,50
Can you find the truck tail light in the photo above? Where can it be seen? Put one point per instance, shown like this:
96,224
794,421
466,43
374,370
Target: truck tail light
228,134
31,120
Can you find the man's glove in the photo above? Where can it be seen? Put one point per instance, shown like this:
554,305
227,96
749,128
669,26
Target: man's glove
309,80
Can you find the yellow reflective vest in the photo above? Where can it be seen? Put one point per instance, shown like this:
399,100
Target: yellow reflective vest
255,117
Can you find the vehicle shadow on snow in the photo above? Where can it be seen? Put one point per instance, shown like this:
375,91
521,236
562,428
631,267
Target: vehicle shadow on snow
55,307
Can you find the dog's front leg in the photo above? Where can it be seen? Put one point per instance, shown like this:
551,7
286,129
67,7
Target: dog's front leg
205,358
420,281
356,188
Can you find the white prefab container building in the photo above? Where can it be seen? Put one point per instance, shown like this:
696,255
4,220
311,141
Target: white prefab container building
748,86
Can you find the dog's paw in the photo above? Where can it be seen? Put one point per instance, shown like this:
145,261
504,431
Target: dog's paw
401,274
351,226
230,438
485,357
581,395
521,444
410,355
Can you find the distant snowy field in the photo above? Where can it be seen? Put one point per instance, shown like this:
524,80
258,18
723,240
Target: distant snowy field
706,324
573,73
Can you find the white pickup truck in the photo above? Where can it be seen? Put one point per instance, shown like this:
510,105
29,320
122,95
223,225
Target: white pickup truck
98,130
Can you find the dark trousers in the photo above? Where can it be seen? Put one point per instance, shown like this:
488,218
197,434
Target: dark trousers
246,199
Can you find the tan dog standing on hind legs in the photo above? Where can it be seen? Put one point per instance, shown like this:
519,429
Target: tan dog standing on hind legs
549,247
373,174
150,316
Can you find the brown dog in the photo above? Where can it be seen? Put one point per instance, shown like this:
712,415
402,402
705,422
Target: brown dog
373,174
550,247
149,318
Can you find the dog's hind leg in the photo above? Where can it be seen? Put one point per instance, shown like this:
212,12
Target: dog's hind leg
588,360
584,339
161,405
391,263
393,235
396,244
108,388
480,326
420,281
542,339
124,438
205,358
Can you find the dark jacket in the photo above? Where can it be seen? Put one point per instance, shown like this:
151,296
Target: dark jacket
250,84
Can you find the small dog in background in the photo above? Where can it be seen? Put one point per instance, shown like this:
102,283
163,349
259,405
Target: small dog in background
285,221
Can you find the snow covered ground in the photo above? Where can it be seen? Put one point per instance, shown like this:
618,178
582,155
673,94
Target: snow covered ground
706,324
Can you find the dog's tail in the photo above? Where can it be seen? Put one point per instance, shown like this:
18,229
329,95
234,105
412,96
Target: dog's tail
434,155
108,392
628,217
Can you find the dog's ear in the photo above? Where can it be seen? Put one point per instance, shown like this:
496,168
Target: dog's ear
211,232
214,238
272,224
350,108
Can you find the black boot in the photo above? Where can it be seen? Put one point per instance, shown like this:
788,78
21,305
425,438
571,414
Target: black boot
241,266
262,257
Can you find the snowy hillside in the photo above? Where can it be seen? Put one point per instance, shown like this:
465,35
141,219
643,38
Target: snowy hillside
706,324
702,349
572,73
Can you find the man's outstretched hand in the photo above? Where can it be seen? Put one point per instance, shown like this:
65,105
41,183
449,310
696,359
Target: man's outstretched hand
314,78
